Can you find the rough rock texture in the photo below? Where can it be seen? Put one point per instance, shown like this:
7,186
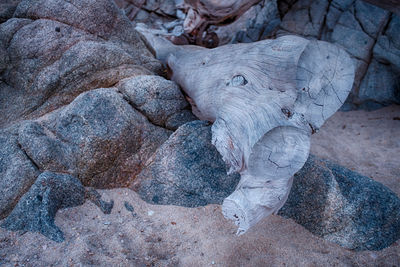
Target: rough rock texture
329,200
55,57
370,34
37,208
147,9
99,138
54,50
391,5
366,29
17,171
186,170
7,8
160,235
343,206
257,23
160,100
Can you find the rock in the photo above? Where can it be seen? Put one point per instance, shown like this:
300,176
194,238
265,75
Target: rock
7,8
387,48
347,23
131,7
17,171
37,208
168,7
58,49
380,85
329,200
160,100
259,22
305,17
343,206
373,43
95,197
98,138
391,5
186,170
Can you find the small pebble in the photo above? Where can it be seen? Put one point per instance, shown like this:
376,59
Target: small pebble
107,223
128,206
150,213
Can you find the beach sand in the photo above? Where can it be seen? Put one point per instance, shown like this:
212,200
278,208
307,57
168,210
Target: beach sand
153,235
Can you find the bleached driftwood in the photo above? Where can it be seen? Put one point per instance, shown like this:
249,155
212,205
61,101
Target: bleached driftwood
200,12
265,99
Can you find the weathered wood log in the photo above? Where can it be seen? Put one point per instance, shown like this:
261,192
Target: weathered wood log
213,11
265,99
202,13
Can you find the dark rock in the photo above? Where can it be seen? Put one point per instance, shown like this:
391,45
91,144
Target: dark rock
391,5
37,208
17,171
186,170
7,8
95,198
329,200
305,17
368,33
381,84
343,206
99,138
160,100
258,22
128,206
387,48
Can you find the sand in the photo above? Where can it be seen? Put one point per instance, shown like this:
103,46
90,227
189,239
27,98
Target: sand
367,142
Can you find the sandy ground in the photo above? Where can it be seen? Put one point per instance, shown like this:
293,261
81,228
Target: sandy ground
367,142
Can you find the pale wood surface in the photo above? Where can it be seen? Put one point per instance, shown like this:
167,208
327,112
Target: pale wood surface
200,13
265,99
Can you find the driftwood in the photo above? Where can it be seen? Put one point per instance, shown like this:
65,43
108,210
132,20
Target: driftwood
265,99
202,12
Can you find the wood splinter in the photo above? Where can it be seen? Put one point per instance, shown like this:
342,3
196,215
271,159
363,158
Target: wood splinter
265,99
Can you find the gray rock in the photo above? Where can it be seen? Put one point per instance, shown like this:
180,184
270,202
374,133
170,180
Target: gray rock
17,171
7,8
349,34
168,7
329,200
95,198
381,85
160,100
259,22
37,208
305,18
387,48
343,206
370,25
367,32
99,138
50,53
58,49
391,5
186,170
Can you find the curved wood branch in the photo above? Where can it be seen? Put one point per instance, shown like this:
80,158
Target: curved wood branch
265,99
